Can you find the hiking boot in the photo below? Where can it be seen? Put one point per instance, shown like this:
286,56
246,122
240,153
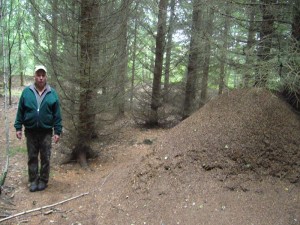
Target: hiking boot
33,187
42,186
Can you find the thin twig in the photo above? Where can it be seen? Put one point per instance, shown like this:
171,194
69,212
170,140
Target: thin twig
23,221
43,207
106,179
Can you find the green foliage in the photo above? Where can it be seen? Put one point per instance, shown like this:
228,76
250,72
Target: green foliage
17,150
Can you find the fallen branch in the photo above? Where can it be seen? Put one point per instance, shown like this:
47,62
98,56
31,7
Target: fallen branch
43,207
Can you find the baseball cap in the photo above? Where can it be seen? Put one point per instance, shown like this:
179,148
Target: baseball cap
40,67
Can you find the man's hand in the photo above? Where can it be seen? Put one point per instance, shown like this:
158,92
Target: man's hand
19,134
56,138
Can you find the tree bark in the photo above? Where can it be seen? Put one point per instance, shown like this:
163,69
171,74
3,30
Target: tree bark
296,25
249,46
224,52
291,89
134,53
168,51
36,24
88,33
21,68
265,42
192,70
207,53
159,52
123,56
54,39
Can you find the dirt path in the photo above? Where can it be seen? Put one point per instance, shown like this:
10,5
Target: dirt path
103,182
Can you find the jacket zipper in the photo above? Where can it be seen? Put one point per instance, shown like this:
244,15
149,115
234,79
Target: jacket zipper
38,116
39,102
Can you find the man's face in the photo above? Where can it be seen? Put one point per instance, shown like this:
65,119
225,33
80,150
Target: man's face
40,78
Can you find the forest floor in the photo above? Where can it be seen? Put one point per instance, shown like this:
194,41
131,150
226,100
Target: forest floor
236,161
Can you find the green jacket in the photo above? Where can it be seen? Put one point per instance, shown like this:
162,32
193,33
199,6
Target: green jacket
39,112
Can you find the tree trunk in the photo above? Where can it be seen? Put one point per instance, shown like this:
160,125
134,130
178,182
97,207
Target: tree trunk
21,68
296,25
291,88
89,12
249,46
134,53
265,42
36,40
168,51
5,80
192,70
54,39
224,52
159,52
123,56
207,52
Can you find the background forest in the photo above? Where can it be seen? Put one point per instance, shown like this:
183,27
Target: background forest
148,59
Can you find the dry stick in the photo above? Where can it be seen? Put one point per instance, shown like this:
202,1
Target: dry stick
43,207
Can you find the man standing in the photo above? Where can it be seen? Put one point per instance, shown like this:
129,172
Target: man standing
39,113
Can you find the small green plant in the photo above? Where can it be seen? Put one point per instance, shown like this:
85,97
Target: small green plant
16,150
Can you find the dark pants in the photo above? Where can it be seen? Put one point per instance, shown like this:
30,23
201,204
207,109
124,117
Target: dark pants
38,144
